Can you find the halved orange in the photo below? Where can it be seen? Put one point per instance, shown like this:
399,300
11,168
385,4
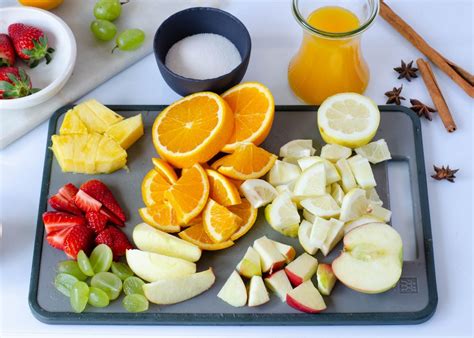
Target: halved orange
189,194
161,216
247,213
154,186
193,129
221,189
197,236
248,161
254,109
165,169
219,223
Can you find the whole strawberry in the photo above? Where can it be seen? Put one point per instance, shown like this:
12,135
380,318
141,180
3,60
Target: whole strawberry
30,43
7,53
14,83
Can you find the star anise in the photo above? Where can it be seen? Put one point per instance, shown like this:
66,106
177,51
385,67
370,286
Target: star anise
421,109
444,173
406,71
394,95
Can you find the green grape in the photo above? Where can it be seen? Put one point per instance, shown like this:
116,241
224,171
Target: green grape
101,258
84,264
130,39
103,30
107,9
133,285
79,296
109,283
97,297
121,270
135,303
71,268
64,282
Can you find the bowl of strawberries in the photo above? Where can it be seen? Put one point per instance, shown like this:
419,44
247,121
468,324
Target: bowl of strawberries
37,56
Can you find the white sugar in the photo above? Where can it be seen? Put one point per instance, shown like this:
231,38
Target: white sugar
203,56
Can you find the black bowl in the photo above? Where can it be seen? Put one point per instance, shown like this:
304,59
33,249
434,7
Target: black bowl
201,20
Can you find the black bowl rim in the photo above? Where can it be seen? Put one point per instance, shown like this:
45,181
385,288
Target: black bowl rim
198,9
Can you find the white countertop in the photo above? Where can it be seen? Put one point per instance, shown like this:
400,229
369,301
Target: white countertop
446,24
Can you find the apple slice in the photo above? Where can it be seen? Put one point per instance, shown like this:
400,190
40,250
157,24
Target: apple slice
250,266
148,238
270,258
301,269
304,233
286,250
279,283
320,231
326,279
234,291
372,259
379,212
258,293
152,266
335,234
306,298
348,226
179,289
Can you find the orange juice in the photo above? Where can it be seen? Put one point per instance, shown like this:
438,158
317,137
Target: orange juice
327,64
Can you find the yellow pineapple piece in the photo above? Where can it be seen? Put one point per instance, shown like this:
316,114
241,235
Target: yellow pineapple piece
91,120
91,151
72,124
108,116
127,132
63,149
79,159
110,156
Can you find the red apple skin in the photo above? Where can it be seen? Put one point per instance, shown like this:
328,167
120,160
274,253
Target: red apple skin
300,307
276,266
295,280
291,254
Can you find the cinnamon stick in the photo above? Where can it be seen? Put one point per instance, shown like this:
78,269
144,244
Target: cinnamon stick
460,76
436,95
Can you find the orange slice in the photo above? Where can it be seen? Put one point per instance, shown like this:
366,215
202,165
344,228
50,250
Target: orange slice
153,188
160,216
248,214
165,169
197,236
193,129
221,189
189,194
218,222
254,109
248,161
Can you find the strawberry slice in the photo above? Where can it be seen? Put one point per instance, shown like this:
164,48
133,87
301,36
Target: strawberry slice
96,221
115,239
111,217
85,202
60,203
56,221
56,238
79,238
68,191
102,193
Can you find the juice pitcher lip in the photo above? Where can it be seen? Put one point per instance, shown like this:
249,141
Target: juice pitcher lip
375,7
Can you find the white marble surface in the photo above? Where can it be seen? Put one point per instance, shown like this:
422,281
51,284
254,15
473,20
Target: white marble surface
446,24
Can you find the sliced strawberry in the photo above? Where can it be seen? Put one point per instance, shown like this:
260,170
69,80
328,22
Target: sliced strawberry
56,221
102,193
79,238
68,191
111,217
96,221
115,239
60,203
56,238
85,202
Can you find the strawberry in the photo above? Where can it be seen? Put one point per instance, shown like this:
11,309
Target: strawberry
56,239
79,238
102,193
96,221
7,53
115,239
55,221
68,191
111,217
60,203
30,43
85,202
14,83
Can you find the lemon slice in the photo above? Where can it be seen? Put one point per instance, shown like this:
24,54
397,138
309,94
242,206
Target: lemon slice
375,152
334,152
373,196
283,215
359,221
347,177
297,149
354,205
323,206
312,182
337,193
379,212
362,171
348,119
258,192
332,174
283,173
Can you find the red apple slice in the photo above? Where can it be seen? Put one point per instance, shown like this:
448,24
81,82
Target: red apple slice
234,291
326,279
286,250
279,283
250,266
306,298
258,293
301,269
270,258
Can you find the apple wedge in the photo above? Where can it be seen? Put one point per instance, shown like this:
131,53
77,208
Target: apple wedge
250,266
326,279
148,238
270,258
179,289
301,269
335,234
372,259
279,283
304,233
258,293
234,291
152,266
286,250
319,231
348,226
306,298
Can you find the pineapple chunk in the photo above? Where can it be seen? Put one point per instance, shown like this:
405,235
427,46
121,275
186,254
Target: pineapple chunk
110,156
72,124
108,116
63,149
91,151
91,120
127,132
80,142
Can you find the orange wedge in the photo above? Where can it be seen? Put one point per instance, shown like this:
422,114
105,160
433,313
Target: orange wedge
165,169
221,189
248,161
188,196
218,222
247,213
254,109
193,129
197,236
153,188
160,216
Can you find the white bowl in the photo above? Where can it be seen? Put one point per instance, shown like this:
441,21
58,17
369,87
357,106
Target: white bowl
49,78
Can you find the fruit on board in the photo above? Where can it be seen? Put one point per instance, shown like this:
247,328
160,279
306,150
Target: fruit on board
354,205
101,258
258,192
330,170
326,279
283,215
312,182
44,4
222,190
107,282
348,119
253,106
234,292
165,169
78,296
204,123
115,239
152,266
304,237
365,219
375,152
250,264
219,223
362,171
161,216
286,250
153,188
372,258
319,231
149,239
100,192
283,173
347,177
31,44
196,235
270,258
7,52
297,149
258,293
15,83
337,193
127,132
72,124
179,289
334,152
306,298
322,206
133,285
135,303
334,235
301,269
373,196
248,215
103,30
379,212
108,9
279,283
129,39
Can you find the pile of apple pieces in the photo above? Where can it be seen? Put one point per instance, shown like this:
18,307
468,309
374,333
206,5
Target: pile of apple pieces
269,257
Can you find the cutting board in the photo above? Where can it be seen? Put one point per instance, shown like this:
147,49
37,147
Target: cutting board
95,64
